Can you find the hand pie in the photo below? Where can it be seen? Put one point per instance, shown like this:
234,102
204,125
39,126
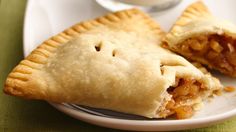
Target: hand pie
114,62
201,37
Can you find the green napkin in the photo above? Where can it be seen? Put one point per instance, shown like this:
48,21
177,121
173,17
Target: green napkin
25,115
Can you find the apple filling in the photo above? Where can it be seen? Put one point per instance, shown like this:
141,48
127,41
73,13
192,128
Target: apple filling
217,50
185,96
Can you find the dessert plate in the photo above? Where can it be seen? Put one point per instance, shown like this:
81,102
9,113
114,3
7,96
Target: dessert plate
45,18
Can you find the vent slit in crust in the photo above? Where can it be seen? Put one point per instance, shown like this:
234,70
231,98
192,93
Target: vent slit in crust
98,47
114,53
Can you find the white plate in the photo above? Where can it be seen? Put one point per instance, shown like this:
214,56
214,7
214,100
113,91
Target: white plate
45,18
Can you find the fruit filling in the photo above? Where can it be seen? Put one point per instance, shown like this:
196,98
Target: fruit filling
217,50
185,96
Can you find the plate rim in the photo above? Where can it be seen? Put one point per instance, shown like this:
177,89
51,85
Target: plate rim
172,124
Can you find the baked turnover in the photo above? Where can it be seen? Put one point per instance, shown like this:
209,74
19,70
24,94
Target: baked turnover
201,37
114,62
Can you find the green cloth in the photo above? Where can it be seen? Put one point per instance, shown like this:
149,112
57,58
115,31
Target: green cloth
28,115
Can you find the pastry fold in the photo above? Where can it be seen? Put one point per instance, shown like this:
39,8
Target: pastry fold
201,37
113,62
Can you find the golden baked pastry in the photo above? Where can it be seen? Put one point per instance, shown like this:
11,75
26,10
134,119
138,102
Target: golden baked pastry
114,62
204,38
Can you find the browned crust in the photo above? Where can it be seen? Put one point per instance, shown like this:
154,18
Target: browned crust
17,82
193,11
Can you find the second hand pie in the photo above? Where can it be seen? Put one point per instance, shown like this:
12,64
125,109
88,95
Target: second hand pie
201,37
114,62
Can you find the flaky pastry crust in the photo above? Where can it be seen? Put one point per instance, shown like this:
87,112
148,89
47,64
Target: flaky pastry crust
113,62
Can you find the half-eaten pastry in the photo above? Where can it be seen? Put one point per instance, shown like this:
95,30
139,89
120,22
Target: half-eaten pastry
114,62
201,37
